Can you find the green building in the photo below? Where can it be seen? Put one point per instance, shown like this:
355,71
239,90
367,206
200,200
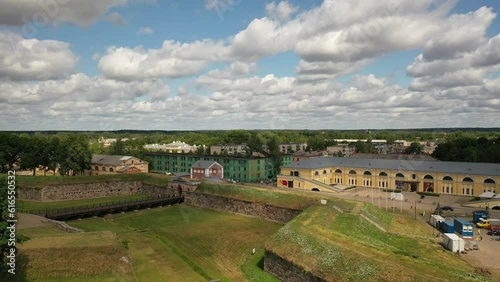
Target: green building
237,168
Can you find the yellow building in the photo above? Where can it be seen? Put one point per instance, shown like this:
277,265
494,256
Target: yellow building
114,164
456,178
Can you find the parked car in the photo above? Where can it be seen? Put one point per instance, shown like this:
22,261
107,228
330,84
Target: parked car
446,208
494,233
496,208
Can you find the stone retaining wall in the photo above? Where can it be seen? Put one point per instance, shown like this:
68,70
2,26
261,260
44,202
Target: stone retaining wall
231,205
92,190
287,271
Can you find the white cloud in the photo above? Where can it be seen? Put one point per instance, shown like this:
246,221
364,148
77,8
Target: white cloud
33,59
145,30
116,18
172,60
36,14
221,5
463,69
282,11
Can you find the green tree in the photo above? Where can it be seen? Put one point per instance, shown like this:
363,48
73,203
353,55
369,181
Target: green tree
35,152
117,148
414,149
76,157
11,149
316,143
275,155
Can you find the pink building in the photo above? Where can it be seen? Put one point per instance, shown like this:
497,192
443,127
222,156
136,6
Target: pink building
204,169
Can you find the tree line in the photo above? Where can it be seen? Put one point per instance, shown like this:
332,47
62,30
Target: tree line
467,149
68,152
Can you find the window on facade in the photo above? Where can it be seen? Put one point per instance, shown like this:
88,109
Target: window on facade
96,168
338,171
103,169
367,173
324,171
399,175
316,173
111,169
382,174
352,172
467,179
489,180
429,177
447,178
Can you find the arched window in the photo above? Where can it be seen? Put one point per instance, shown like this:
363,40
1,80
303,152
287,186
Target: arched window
447,178
103,169
428,177
367,173
316,173
324,171
382,174
352,172
467,179
399,175
489,180
338,171
111,169
96,168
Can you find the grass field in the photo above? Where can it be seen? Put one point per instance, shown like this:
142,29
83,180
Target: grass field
36,206
25,181
275,197
345,246
176,243
51,255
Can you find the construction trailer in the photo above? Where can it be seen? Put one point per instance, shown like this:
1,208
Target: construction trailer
453,242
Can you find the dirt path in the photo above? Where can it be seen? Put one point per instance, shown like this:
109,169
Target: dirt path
29,220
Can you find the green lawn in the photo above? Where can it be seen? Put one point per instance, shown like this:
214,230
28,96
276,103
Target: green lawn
25,181
40,206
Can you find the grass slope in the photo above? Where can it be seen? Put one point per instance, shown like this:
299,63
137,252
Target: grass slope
184,243
345,247
95,256
275,197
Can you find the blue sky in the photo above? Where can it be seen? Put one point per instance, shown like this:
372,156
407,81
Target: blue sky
229,64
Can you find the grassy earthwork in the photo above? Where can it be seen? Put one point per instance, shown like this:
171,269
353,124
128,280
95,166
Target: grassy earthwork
176,243
186,243
345,245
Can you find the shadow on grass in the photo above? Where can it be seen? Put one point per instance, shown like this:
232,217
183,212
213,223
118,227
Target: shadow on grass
20,273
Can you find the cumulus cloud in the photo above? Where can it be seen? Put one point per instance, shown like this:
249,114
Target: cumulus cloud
116,18
454,77
249,102
281,11
41,13
145,30
172,60
464,69
33,59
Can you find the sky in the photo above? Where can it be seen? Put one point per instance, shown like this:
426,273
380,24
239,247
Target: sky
106,65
